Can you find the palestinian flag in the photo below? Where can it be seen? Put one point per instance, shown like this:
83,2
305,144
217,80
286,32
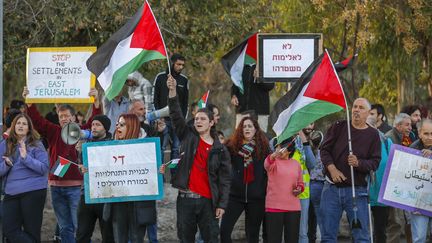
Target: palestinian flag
340,66
203,101
244,53
318,93
137,42
173,163
61,166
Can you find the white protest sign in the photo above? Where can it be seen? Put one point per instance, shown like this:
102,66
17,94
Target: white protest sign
407,181
285,57
125,170
59,75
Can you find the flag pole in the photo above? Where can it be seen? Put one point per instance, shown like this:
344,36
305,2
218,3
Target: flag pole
163,41
356,222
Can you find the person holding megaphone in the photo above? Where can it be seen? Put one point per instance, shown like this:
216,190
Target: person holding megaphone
89,213
66,190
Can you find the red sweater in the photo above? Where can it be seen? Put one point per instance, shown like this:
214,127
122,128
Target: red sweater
283,177
57,147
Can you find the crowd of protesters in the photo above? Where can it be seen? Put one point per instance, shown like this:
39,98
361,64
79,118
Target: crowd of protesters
288,190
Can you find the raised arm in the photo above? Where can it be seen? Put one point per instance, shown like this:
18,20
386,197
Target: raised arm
96,109
179,123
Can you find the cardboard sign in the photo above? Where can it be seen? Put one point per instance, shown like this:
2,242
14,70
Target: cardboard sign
122,170
407,181
59,75
284,57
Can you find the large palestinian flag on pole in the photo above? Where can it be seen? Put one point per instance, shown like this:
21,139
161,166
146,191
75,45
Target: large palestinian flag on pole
137,42
318,93
244,53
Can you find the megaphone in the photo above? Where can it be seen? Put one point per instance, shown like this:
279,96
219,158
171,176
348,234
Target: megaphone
72,133
154,115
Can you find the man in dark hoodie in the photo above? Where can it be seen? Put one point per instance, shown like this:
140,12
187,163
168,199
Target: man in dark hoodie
160,99
89,213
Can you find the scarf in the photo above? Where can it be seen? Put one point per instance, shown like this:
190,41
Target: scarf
248,169
406,141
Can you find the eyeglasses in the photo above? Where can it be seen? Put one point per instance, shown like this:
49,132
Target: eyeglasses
119,124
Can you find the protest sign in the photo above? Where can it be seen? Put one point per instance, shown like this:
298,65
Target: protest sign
407,181
122,170
284,57
59,75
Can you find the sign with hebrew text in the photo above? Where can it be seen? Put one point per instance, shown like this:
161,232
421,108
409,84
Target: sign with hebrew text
407,181
122,170
285,57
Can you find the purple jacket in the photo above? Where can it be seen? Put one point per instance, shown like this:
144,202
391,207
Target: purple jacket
27,174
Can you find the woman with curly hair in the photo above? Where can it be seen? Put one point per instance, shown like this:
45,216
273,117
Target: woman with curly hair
248,148
24,171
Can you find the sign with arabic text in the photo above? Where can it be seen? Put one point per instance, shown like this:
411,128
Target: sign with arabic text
122,170
407,181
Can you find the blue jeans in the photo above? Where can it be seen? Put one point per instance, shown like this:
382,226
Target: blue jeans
303,236
170,136
65,202
334,200
152,233
316,188
419,227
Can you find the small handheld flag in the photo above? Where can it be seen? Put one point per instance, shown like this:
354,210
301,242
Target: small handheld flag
172,163
202,103
61,166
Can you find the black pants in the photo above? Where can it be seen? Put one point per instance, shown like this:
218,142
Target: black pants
312,223
287,223
193,212
380,216
22,216
125,226
87,216
254,216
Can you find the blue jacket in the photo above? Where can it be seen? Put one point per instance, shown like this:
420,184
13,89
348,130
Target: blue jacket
386,143
28,174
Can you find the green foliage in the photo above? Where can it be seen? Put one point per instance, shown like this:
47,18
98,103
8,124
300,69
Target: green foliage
392,37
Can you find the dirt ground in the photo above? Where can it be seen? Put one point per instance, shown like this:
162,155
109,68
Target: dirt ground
166,221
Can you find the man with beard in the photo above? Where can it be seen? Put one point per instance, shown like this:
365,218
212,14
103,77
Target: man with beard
160,100
89,213
337,158
414,112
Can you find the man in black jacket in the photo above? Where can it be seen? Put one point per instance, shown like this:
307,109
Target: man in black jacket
254,97
203,175
89,213
160,99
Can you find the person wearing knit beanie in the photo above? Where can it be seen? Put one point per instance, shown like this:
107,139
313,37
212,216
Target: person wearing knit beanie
106,122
